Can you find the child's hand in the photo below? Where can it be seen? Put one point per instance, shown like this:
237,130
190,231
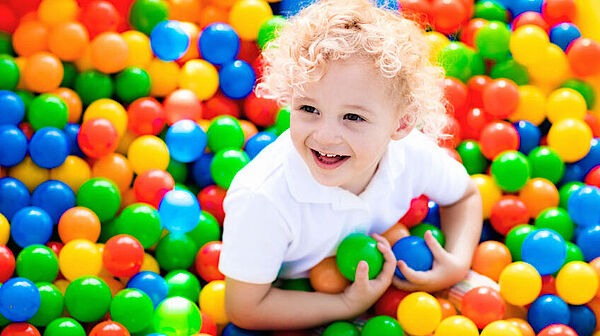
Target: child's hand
363,293
447,270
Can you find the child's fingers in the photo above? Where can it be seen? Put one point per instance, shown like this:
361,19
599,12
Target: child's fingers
381,240
436,249
362,273
405,285
390,260
415,277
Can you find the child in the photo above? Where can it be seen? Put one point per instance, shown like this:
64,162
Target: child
359,84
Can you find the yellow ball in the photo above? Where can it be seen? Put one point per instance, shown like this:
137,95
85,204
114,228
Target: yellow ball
489,190
148,152
570,138
140,53
108,109
501,328
62,285
200,77
212,301
419,313
246,17
532,105
437,42
125,141
4,230
53,12
74,172
577,283
29,173
79,257
520,283
456,326
150,264
565,103
164,77
527,44
552,68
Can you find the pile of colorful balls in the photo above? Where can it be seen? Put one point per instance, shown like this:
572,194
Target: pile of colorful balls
123,123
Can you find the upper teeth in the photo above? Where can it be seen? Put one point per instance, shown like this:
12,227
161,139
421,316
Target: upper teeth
328,155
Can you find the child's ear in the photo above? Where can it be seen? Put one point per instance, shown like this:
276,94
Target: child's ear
405,126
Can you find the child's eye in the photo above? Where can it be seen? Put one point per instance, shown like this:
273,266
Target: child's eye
353,117
307,108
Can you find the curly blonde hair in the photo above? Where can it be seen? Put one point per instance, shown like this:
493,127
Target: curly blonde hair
332,30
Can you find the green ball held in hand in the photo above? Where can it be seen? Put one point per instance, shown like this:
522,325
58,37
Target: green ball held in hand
64,326
566,190
353,249
492,40
514,240
131,84
225,132
472,158
510,170
87,299
183,283
226,164
52,305
145,14
341,328
177,316
101,196
9,73
133,309
37,263
176,251
546,163
92,85
47,110
558,220
140,221
382,326
419,231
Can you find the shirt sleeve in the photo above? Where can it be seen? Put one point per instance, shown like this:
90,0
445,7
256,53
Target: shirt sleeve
255,238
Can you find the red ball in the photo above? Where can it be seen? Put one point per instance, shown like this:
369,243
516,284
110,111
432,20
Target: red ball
182,104
249,51
417,10
467,35
508,212
417,212
208,325
109,328
594,123
584,57
99,17
150,186
8,19
55,246
7,263
123,255
476,85
207,261
146,116
211,200
557,330
483,305
530,18
497,137
557,11
97,137
593,177
548,285
389,301
20,329
456,94
218,105
473,122
448,15
260,111
501,97
27,129
23,7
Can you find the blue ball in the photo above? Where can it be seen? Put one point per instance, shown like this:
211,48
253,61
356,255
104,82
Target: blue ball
19,299
233,330
14,196
546,310
259,141
179,211
545,250
55,197
71,131
292,7
489,233
219,43
563,34
588,240
31,225
152,284
583,320
12,108
186,141
592,158
169,41
529,136
414,252
201,170
518,7
236,79
573,172
583,206
13,145
49,147
433,214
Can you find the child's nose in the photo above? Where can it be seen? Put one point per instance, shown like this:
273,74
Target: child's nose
327,134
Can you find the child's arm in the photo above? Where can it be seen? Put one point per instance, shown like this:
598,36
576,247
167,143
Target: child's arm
256,306
461,224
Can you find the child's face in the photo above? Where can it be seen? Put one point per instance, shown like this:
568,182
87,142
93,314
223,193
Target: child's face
341,125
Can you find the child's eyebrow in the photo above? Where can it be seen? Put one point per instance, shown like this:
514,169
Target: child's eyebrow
358,107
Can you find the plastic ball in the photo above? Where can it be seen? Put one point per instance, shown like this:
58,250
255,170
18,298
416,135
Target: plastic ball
225,132
492,40
547,310
520,283
186,141
447,16
587,240
539,194
545,250
78,258
501,97
4,230
101,196
123,255
140,53
456,325
31,225
13,196
556,219
142,222
496,137
164,77
144,15
10,73
48,147
532,105
79,223
43,72
109,328
92,85
182,104
563,34
382,325
68,40
52,304
507,213
219,43
200,77
581,204
64,326
226,164
565,103
584,89
421,229
269,30
258,142
109,52
7,261
510,170
148,152
500,328
566,190
472,157
19,299
55,197
73,102
529,136
146,116
179,211
132,83
325,277
74,172
583,55
577,283
150,283
353,249
99,17
178,316
13,145
419,313
47,110
246,17
212,301
483,305
236,79
87,299
583,320
207,262
211,200
169,41
414,252
133,309
13,108
490,259
555,58
489,190
546,163
207,230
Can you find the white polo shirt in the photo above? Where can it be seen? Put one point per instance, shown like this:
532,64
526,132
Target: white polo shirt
280,222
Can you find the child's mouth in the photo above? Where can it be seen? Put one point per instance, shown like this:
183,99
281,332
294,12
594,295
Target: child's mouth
328,161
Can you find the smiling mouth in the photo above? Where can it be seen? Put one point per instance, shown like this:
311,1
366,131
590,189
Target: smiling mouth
328,161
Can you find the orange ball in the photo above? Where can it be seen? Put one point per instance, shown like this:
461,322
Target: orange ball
448,308
79,223
71,98
109,328
594,305
522,325
193,32
539,194
211,14
30,37
109,52
395,233
53,12
184,10
326,277
490,258
43,72
248,128
68,40
116,168
596,266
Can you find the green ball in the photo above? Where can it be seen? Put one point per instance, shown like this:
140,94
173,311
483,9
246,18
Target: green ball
37,263
47,110
573,254
419,231
92,85
176,251
145,14
88,298
9,73
476,64
226,164
382,326
357,247
64,326
141,221
455,59
341,328
178,170
514,240
300,284
556,219
270,30
546,163
6,47
132,83
177,316
586,90
472,158
108,230
69,75
510,170
133,309
225,132
207,230
282,122
566,190
492,40
491,11
101,196
26,96
184,284
512,70
52,305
